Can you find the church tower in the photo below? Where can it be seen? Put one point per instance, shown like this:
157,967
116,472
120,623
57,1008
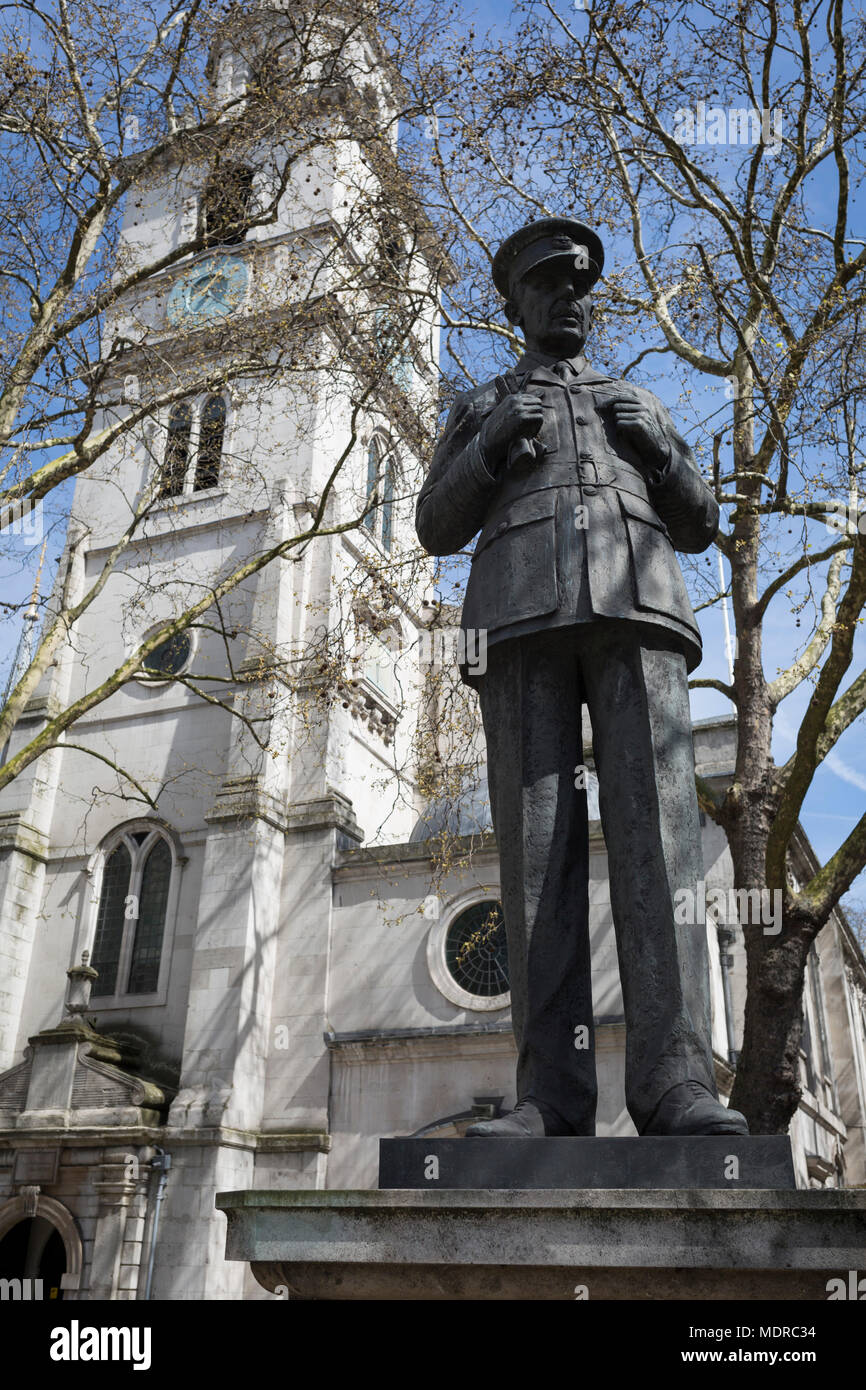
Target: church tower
278,341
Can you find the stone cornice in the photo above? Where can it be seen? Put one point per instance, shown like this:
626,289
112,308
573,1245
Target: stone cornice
331,812
241,798
428,1045
18,834
110,1136
463,851
223,1136
357,863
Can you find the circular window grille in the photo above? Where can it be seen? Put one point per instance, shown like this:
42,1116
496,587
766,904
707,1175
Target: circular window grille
169,658
475,950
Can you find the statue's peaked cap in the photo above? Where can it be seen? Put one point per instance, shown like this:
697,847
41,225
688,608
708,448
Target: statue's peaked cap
544,240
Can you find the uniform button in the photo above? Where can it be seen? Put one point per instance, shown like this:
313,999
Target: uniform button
580,419
589,491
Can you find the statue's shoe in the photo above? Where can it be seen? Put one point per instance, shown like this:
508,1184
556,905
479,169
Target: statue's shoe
690,1109
525,1121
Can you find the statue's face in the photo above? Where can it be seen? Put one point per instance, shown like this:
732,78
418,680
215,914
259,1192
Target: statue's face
553,306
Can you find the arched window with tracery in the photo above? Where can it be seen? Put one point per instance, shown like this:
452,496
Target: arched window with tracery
387,530
176,458
195,429
150,927
379,517
211,437
131,919
111,919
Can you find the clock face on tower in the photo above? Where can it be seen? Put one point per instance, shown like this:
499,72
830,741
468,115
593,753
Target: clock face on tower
208,291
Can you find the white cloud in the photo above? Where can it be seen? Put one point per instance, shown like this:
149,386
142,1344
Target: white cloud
845,771
785,732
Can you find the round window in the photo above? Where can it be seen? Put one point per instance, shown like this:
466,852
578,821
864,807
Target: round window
169,658
476,953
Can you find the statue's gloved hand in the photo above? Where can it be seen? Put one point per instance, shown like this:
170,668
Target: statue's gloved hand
517,417
640,424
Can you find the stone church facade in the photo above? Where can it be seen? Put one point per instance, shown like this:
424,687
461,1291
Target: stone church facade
249,983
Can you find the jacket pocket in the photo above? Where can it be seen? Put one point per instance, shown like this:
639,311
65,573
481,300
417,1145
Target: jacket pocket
659,584
641,510
537,505
513,572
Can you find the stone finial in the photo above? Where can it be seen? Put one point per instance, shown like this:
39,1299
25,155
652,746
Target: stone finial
81,979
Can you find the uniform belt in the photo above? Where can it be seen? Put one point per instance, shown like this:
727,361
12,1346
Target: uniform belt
589,471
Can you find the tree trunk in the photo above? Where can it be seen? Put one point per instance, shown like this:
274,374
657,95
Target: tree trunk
748,807
767,1085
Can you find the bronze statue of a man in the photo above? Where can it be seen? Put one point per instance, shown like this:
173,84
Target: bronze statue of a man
582,490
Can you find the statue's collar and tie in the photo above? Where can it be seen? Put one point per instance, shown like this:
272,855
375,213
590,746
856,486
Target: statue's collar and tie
539,366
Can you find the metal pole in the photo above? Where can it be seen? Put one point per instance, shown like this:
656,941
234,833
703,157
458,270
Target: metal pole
729,647
161,1163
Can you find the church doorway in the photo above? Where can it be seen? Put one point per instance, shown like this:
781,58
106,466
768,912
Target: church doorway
33,1249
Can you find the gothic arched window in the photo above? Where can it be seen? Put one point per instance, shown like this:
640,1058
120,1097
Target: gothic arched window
227,205
386,535
392,252
210,443
176,458
132,914
373,456
150,927
379,519
194,429
111,918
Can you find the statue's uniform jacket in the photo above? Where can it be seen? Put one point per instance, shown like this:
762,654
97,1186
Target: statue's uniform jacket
581,533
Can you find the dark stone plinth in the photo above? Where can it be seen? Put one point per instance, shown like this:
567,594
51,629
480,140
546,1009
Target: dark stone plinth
726,1162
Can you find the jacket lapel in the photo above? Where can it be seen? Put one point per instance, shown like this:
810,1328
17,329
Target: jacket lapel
530,371
542,376
590,377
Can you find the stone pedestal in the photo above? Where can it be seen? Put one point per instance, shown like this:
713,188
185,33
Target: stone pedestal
547,1245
